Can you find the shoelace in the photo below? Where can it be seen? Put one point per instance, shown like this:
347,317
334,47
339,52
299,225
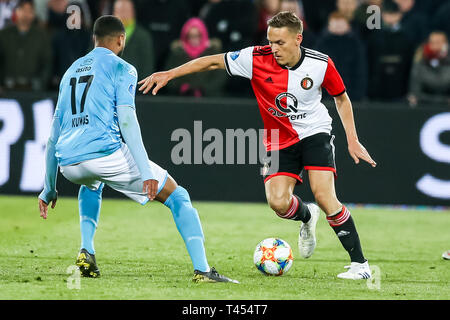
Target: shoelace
304,233
214,271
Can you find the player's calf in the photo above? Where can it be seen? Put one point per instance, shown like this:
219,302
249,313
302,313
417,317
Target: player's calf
343,225
89,206
188,224
299,211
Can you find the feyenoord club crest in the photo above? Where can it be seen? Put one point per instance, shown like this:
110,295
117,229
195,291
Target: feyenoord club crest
306,83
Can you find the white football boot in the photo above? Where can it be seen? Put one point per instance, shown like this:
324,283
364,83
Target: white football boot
307,236
446,255
356,271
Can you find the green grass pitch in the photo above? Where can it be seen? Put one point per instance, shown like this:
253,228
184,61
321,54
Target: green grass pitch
142,256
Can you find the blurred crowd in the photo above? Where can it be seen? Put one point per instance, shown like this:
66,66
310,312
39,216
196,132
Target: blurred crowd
385,50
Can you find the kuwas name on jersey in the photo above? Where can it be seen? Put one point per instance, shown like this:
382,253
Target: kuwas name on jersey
80,121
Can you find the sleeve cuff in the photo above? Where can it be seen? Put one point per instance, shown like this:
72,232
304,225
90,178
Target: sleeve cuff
227,66
127,105
337,95
47,197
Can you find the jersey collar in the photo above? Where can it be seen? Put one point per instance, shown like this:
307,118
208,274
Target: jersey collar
105,50
302,50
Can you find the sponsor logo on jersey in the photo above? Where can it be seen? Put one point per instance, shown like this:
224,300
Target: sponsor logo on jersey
286,99
235,55
83,69
269,80
87,62
286,106
306,83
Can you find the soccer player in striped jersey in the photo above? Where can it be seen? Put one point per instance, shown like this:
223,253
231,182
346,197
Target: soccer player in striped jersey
287,80
95,110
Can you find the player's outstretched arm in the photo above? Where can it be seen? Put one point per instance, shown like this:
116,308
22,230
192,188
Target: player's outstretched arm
49,194
355,148
160,79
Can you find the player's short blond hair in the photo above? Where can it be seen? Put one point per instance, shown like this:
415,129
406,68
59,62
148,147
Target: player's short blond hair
286,19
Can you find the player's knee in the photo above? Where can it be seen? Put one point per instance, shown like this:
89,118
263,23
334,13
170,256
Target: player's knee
279,204
86,193
325,200
178,201
179,196
321,197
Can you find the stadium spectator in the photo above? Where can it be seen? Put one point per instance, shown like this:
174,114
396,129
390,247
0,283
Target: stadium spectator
347,8
68,44
413,22
430,75
99,8
193,43
266,10
163,19
234,30
54,10
139,43
235,23
389,53
296,6
6,12
316,13
347,52
57,15
26,57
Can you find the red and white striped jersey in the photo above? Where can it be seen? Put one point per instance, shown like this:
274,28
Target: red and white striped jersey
289,99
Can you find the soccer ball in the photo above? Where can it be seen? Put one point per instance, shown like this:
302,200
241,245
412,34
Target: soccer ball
273,257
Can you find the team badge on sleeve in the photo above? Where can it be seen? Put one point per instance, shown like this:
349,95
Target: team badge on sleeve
235,55
307,83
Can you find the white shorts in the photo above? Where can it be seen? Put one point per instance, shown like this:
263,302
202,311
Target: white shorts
117,170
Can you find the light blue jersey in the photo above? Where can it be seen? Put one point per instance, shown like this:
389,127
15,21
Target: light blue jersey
89,94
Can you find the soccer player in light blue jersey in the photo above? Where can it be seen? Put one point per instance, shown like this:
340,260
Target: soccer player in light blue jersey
95,110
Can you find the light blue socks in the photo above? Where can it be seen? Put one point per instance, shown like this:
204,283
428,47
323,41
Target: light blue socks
185,216
89,202
188,224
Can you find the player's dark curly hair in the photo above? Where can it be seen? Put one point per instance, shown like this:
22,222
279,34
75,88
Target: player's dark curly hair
108,26
286,19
